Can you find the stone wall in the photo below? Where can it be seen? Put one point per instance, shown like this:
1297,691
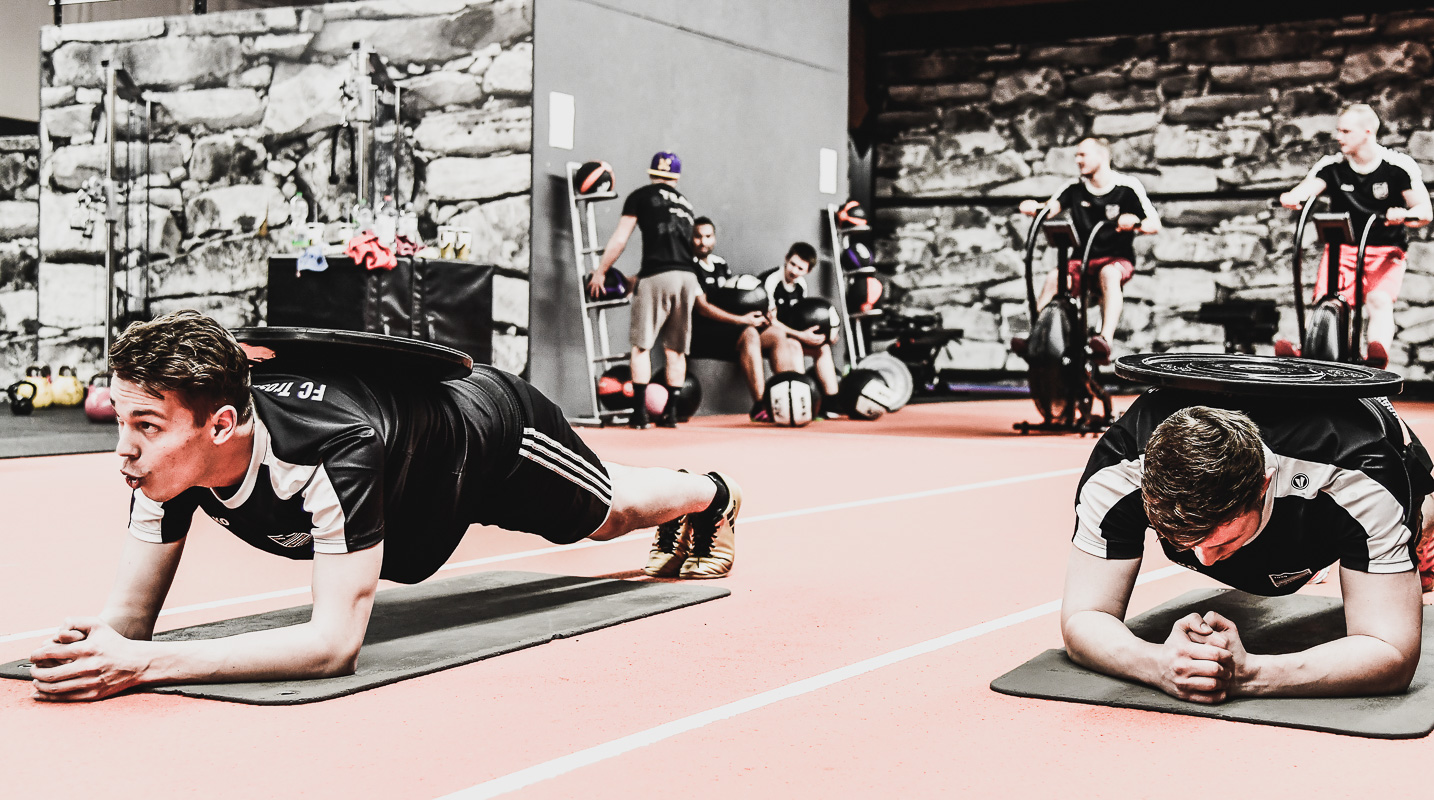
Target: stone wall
1214,122
19,252
246,104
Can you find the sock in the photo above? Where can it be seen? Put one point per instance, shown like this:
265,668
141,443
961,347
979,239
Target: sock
720,498
673,393
639,396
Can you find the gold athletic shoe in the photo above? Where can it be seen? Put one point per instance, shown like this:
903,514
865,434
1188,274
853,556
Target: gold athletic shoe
714,536
670,548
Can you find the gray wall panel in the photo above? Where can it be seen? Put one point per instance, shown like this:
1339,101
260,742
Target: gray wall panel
747,122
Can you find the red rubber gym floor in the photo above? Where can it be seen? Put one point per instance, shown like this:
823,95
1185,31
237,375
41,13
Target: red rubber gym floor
886,573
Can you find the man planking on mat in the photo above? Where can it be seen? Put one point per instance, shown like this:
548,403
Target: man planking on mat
1261,498
369,479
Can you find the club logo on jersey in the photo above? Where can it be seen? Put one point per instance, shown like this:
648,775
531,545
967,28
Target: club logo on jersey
1112,211
1300,482
222,521
292,539
1282,579
1379,190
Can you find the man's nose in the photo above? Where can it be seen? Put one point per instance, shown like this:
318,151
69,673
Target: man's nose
126,447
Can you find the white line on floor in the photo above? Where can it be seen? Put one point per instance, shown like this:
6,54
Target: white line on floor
565,764
587,543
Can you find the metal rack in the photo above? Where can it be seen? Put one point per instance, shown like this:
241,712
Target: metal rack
587,257
851,323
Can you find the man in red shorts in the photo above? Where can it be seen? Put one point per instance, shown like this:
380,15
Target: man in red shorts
1100,194
1365,179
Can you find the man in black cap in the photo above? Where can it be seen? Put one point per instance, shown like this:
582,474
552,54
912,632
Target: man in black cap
666,285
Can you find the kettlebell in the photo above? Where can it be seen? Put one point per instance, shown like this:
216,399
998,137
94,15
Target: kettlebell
22,398
40,376
97,399
66,389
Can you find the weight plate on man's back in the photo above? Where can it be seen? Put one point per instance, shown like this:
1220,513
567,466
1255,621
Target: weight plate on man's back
1259,376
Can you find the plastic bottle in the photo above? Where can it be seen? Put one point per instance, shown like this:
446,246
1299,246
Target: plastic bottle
386,222
408,223
363,217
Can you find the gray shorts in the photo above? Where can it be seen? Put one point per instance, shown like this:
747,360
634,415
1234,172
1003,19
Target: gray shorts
662,310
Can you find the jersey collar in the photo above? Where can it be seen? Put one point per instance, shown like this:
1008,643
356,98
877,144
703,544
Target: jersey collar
1379,150
256,458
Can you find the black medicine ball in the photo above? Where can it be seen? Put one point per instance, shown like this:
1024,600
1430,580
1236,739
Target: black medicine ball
814,312
741,294
793,400
594,177
865,395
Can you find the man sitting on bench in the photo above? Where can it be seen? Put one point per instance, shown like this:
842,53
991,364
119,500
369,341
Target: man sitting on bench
1262,499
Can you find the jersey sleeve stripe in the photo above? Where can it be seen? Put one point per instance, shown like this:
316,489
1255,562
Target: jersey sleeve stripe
1139,189
322,503
1327,161
1408,164
1098,496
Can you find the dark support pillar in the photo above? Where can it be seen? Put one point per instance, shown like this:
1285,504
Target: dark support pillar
59,12
201,6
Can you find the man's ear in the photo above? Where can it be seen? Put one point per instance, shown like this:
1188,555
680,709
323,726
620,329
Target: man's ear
224,424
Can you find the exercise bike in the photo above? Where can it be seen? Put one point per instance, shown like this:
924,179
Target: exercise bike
1064,380
1334,325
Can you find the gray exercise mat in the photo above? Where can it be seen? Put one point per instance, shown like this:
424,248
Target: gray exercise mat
1267,625
439,624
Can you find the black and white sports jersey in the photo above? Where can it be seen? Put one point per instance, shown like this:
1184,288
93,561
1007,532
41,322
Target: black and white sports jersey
1086,208
1362,194
783,296
339,465
665,218
711,272
1345,489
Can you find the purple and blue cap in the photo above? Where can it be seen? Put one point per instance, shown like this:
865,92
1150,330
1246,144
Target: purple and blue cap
666,165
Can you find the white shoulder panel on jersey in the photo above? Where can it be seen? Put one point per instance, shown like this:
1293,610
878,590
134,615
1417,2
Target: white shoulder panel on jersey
1337,158
1097,497
145,517
1371,505
1134,184
1404,162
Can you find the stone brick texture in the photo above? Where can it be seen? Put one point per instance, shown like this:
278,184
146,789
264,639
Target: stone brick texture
1215,123
244,107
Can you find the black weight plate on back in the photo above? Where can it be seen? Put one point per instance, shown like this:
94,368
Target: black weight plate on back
1259,376
353,351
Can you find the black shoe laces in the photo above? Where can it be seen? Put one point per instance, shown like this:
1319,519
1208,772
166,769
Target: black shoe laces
704,534
667,534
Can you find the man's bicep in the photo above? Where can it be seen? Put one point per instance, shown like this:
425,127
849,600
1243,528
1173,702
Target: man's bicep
1385,606
1098,584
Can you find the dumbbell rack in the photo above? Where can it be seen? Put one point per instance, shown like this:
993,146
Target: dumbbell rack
851,323
587,257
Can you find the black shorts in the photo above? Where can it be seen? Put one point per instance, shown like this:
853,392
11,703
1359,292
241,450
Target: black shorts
555,486
713,339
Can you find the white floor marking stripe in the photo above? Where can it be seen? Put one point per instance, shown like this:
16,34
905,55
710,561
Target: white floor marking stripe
565,764
588,543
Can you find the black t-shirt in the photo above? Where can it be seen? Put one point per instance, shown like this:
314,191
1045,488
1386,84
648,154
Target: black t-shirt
665,218
1342,491
1362,194
341,464
784,298
1086,209
711,273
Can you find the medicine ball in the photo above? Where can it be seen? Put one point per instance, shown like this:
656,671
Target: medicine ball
594,177
792,399
851,215
615,286
814,312
856,255
863,292
865,395
614,391
688,400
740,294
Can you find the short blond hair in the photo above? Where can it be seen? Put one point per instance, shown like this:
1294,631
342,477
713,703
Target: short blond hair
1364,113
